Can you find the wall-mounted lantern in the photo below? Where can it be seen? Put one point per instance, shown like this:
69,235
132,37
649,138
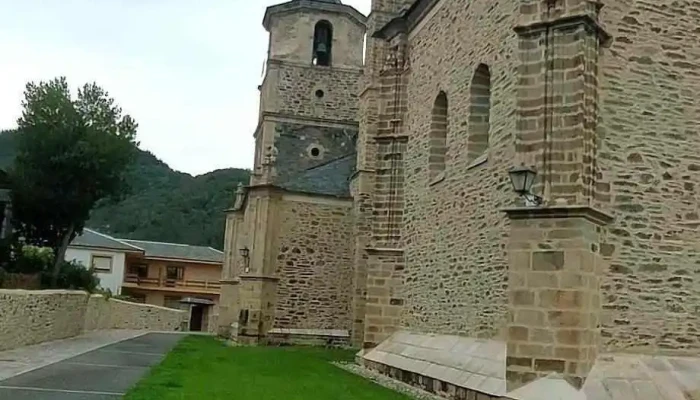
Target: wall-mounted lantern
245,254
522,178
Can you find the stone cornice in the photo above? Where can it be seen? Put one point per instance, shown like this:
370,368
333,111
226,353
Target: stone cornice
592,214
360,171
585,20
407,21
258,278
386,138
271,115
394,27
383,250
270,188
273,62
311,5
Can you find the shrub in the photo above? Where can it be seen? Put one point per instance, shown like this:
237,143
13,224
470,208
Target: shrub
72,275
31,260
5,252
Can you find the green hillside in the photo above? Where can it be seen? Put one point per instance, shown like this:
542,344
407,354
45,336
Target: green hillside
162,204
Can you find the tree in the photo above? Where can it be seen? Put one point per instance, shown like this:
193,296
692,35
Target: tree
70,154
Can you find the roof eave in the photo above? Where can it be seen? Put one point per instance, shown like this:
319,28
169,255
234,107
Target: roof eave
296,5
183,260
114,249
410,18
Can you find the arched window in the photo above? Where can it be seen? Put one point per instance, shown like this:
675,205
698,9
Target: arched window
479,113
438,137
323,43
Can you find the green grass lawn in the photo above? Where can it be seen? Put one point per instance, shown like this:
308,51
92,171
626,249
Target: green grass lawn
204,368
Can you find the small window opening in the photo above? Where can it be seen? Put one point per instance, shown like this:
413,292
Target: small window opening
320,94
315,152
323,42
479,113
438,137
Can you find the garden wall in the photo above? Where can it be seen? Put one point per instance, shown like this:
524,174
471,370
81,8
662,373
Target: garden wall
29,317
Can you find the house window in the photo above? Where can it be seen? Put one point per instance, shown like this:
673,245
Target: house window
139,270
438,137
102,263
173,273
323,42
479,113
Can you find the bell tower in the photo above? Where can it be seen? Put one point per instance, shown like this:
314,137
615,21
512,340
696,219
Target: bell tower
308,119
314,63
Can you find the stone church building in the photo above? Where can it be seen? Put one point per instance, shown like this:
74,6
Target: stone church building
381,210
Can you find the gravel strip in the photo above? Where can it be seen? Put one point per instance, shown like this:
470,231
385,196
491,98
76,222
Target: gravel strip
388,382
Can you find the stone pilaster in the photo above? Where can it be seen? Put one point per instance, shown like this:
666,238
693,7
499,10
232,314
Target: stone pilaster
376,175
384,294
554,277
258,280
557,103
229,309
383,258
234,235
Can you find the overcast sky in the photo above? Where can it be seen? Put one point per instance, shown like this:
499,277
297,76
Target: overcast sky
187,70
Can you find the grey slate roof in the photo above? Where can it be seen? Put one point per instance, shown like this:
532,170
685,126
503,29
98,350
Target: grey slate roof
94,239
177,251
331,178
91,238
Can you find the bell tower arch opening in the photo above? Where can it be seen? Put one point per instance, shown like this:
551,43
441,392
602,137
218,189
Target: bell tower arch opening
323,44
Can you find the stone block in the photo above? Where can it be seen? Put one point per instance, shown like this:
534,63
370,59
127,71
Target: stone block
535,350
522,297
518,333
527,317
525,362
569,337
548,365
538,280
561,299
567,319
539,335
547,260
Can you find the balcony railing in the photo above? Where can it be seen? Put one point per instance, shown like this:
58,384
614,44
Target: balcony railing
185,284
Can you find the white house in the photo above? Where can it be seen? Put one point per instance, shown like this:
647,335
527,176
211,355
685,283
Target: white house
105,254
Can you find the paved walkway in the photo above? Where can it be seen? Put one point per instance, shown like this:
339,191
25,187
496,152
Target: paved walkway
103,372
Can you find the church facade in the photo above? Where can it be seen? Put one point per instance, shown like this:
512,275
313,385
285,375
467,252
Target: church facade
381,210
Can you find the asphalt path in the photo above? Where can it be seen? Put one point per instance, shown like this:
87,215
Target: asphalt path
103,374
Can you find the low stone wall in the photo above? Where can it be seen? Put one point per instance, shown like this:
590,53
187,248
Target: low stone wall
127,315
308,337
29,317
118,314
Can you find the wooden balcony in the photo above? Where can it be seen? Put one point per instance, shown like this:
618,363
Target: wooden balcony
185,285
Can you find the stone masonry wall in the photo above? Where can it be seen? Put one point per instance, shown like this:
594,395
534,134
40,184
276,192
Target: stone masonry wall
29,317
299,93
454,229
127,315
649,133
314,266
384,295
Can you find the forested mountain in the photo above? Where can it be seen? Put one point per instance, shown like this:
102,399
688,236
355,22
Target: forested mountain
161,204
